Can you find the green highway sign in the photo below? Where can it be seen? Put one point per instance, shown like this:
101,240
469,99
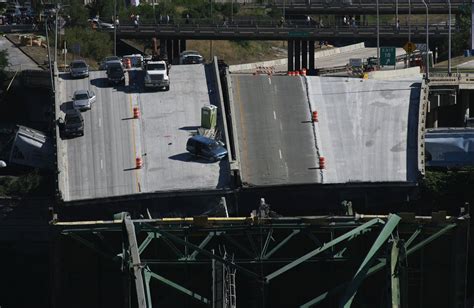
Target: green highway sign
387,55
298,33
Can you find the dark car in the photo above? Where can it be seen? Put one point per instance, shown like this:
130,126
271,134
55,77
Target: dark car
115,72
104,64
73,124
206,147
79,69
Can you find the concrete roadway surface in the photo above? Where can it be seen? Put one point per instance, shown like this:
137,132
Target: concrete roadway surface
367,129
275,135
102,162
17,60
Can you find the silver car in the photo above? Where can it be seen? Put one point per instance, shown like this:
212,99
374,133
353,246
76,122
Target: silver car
83,99
79,69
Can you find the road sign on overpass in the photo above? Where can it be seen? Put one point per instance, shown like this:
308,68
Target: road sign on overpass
387,56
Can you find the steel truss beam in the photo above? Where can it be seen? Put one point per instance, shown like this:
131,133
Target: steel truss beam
176,233
357,231
149,274
382,262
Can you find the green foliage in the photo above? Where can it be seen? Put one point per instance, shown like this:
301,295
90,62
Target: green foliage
94,44
461,38
275,13
3,59
242,43
444,187
77,12
19,186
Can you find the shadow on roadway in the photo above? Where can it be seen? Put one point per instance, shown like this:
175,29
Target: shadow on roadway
189,128
67,76
186,157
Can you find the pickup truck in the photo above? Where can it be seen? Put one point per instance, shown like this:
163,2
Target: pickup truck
156,75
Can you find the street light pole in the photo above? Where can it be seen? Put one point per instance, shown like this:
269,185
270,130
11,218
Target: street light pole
116,25
378,37
56,34
427,64
449,39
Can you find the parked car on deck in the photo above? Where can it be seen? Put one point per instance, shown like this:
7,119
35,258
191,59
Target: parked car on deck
83,99
79,69
72,125
205,147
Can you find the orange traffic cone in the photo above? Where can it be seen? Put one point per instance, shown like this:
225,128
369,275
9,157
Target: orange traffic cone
138,163
322,163
136,113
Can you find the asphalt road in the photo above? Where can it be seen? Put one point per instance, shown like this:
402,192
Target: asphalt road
101,163
276,139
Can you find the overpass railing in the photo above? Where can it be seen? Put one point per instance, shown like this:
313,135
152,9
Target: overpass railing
348,4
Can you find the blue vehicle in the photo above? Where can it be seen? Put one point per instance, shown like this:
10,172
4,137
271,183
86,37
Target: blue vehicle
206,147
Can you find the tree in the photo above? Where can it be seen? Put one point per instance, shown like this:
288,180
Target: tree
461,38
77,13
3,59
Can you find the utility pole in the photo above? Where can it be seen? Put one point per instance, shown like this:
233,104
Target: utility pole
56,33
449,38
116,25
378,37
427,43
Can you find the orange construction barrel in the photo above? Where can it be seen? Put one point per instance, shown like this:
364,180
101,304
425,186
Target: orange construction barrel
314,116
138,163
136,113
322,163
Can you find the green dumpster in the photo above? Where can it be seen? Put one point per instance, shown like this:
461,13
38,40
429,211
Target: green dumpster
209,116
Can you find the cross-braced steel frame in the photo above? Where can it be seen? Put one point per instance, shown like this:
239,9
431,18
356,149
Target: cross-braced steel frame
265,250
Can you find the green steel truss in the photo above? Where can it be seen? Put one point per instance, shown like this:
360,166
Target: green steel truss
284,243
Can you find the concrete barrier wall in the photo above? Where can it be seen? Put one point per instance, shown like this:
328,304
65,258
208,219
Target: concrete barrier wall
406,72
318,54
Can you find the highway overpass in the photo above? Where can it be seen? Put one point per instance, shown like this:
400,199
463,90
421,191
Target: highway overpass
367,132
357,7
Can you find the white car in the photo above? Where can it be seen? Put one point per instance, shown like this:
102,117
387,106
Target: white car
190,57
83,99
99,24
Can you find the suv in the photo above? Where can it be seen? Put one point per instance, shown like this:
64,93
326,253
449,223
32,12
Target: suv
73,124
115,72
206,147
156,75
79,68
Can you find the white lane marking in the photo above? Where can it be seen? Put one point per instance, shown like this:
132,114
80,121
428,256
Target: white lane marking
281,126
279,151
101,164
269,80
274,115
100,122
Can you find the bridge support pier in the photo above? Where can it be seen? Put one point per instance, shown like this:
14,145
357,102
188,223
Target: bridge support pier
304,55
169,50
182,46
301,55
176,49
311,64
297,55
